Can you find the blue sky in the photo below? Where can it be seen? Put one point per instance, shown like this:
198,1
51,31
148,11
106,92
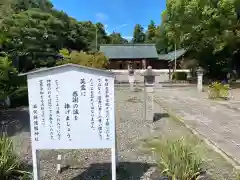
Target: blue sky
116,15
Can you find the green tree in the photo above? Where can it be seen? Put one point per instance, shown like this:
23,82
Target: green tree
138,34
102,35
5,9
91,32
8,77
36,35
116,38
151,32
24,5
208,28
161,40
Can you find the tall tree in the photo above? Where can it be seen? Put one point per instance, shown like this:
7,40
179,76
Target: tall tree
5,9
138,34
36,35
23,5
102,35
34,32
93,32
116,38
209,28
160,39
151,32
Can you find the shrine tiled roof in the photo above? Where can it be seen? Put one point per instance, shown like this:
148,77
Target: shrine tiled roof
171,55
129,51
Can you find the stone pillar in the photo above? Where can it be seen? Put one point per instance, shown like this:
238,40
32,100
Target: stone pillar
189,75
200,79
144,63
128,66
131,78
149,83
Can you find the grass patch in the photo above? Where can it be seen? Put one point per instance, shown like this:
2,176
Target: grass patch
218,91
176,159
169,133
187,158
10,166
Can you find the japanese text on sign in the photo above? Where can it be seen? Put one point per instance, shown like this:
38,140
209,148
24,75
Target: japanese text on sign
35,122
92,103
49,90
75,105
42,101
83,87
67,113
107,108
58,111
99,108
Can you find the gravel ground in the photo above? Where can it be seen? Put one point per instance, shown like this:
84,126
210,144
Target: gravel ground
95,164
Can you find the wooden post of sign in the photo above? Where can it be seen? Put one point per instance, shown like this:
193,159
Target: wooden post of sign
149,102
36,164
145,102
59,168
114,160
114,155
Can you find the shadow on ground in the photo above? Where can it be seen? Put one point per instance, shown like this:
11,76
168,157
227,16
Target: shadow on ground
125,171
159,116
14,121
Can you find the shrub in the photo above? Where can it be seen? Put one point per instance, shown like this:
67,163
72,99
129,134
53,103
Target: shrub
19,97
181,76
176,159
10,165
95,59
218,90
238,176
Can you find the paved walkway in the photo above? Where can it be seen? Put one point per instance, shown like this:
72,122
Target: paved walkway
218,123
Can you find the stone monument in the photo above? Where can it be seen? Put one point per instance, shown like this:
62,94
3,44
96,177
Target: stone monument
131,78
200,79
149,83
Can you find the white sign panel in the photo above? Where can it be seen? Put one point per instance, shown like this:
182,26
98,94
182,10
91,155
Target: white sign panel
71,109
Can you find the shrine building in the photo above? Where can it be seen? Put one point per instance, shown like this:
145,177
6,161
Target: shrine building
139,56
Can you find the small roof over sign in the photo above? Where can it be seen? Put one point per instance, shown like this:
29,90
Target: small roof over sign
67,65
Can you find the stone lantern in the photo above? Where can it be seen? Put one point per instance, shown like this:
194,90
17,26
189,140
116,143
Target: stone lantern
149,79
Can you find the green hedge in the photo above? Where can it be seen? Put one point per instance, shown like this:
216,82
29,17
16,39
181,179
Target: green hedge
19,97
182,76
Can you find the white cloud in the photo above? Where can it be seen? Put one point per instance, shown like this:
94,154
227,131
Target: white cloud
123,25
145,28
112,30
128,37
106,29
101,16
